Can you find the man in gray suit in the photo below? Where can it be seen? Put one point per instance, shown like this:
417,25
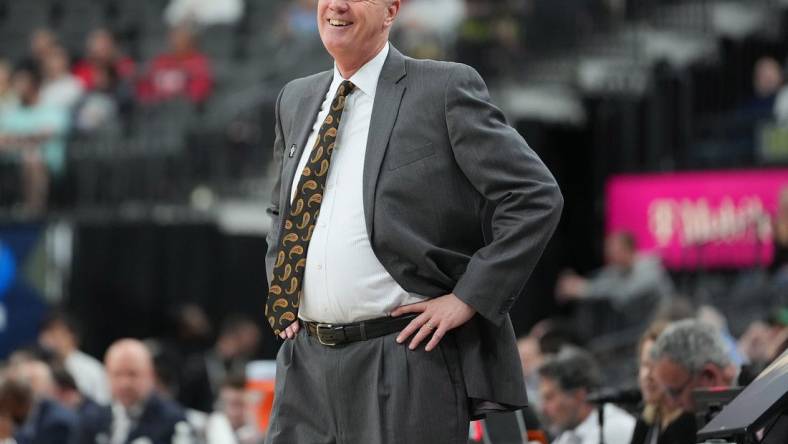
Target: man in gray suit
407,212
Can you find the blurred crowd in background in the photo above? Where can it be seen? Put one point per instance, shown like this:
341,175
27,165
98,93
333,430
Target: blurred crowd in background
186,389
160,113
46,96
192,385
109,102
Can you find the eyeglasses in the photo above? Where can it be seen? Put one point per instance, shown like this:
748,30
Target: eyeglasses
675,392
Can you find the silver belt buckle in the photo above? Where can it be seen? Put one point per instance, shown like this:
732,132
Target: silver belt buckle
320,338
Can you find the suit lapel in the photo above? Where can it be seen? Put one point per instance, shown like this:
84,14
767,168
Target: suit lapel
384,114
306,113
139,426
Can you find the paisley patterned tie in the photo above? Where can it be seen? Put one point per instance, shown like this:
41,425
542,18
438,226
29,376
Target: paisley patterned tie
284,293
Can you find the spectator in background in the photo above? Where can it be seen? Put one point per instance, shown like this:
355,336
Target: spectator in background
662,421
203,12
547,337
48,422
531,358
234,414
42,41
31,135
67,394
8,99
193,336
689,355
103,54
566,381
16,401
60,88
182,72
194,330
763,342
779,265
99,108
59,335
780,101
554,334
634,284
755,342
203,373
137,413
767,79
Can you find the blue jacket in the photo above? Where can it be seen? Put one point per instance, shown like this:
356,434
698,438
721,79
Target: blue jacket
48,423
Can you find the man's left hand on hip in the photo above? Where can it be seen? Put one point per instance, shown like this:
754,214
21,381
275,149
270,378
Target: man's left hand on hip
437,316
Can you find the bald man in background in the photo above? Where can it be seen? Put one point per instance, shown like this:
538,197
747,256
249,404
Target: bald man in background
137,412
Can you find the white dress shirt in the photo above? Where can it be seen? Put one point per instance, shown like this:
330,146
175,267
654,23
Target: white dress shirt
619,426
344,281
123,421
89,375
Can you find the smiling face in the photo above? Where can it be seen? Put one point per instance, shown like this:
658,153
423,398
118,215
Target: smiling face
354,31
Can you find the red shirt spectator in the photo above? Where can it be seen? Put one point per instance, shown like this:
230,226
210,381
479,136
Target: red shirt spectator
182,72
85,71
102,51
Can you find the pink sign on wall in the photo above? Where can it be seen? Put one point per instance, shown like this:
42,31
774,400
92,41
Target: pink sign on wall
709,219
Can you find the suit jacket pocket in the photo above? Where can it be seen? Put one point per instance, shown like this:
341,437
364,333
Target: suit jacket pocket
398,158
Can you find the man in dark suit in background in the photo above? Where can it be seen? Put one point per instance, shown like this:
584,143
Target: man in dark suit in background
137,413
47,422
406,212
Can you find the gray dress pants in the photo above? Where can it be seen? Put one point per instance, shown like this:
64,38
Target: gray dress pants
368,392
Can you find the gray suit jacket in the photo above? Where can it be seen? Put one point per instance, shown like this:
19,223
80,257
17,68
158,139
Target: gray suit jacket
454,201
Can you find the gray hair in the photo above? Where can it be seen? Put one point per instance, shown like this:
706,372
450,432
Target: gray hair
572,368
691,344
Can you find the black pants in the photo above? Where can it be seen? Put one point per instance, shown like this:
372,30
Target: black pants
370,392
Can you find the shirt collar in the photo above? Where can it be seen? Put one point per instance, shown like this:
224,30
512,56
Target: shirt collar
134,412
589,427
366,78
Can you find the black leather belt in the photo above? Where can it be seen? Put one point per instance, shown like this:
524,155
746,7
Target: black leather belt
337,334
